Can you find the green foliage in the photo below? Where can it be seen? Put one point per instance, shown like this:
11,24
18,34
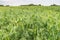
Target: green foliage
30,23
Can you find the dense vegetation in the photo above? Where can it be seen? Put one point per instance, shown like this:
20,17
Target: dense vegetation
30,23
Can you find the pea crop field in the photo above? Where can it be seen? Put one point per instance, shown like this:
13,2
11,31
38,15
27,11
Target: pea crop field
30,23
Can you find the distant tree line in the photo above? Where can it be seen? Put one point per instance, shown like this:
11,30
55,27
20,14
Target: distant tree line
32,5
4,5
39,5
54,5
1,5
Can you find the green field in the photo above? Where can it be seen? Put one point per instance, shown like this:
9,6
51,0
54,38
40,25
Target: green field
30,23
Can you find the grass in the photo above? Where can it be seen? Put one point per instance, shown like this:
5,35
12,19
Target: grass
30,23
